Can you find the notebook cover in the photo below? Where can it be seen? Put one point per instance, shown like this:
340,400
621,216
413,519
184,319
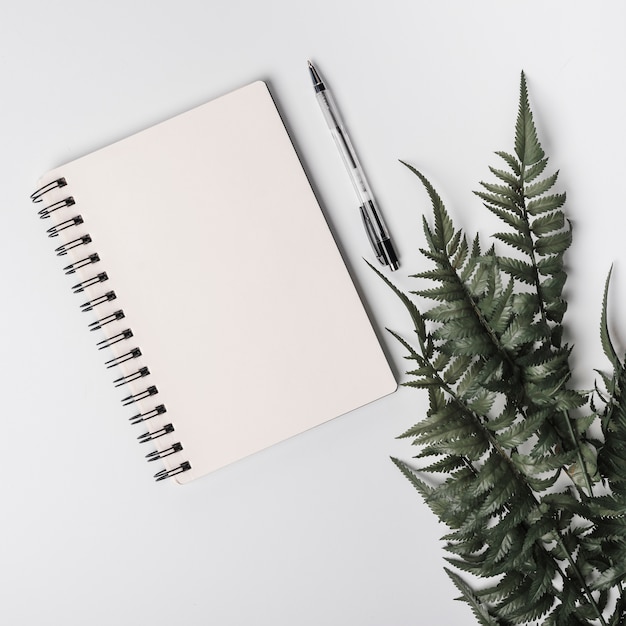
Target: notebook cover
229,278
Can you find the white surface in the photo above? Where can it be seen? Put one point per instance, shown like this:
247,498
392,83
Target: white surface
321,529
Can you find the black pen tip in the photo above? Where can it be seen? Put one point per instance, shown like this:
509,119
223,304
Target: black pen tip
315,77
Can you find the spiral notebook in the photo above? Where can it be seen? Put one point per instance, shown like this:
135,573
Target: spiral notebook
212,285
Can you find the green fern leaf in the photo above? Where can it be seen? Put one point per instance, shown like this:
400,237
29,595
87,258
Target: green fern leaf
473,448
512,180
472,261
440,274
445,293
424,490
547,365
493,200
447,434
444,229
555,310
610,577
482,403
506,586
518,269
440,362
539,608
583,423
512,219
412,354
458,329
498,498
479,284
440,416
550,265
553,244
457,368
416,316
519,241
535,170
548,223
504,191
519,333
539,188
480,610
454,243
423,383
608,506
469,385
505,545
546,203
520,432
511,161
533,465
426,370
527,147
605,338
552,286
437,257
457,309
472,346
525,304
461,254
503,432
446,465
505,419
500,315
539,485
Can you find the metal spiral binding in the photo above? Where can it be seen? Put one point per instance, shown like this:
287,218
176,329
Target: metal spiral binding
126,334
163,474
71,269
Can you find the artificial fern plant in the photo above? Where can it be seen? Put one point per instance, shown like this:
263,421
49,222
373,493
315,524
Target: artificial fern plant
528,474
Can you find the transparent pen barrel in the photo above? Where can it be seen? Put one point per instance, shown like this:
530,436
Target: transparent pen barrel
369,209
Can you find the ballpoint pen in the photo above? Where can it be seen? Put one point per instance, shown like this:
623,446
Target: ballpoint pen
373,221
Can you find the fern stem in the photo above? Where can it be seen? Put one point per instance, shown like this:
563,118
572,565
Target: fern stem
491,333
520,477
544,319
501,350
581,578
579,456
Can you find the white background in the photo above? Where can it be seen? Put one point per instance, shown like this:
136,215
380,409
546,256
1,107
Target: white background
321,529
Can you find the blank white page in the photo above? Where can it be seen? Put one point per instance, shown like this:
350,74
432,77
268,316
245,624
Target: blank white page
229,278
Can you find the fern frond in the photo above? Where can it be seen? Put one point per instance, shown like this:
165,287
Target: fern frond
527,147
530,173
548,223
605,337
480,610
504,432
511,161
554,244
539,188
512,217
519,241
444,230
518,269
512,180
544,204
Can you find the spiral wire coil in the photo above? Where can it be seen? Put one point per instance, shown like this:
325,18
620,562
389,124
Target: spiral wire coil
99,277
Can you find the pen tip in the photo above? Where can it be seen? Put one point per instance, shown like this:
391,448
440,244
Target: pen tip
315,77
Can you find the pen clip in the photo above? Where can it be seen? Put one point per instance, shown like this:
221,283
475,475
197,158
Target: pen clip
371,234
